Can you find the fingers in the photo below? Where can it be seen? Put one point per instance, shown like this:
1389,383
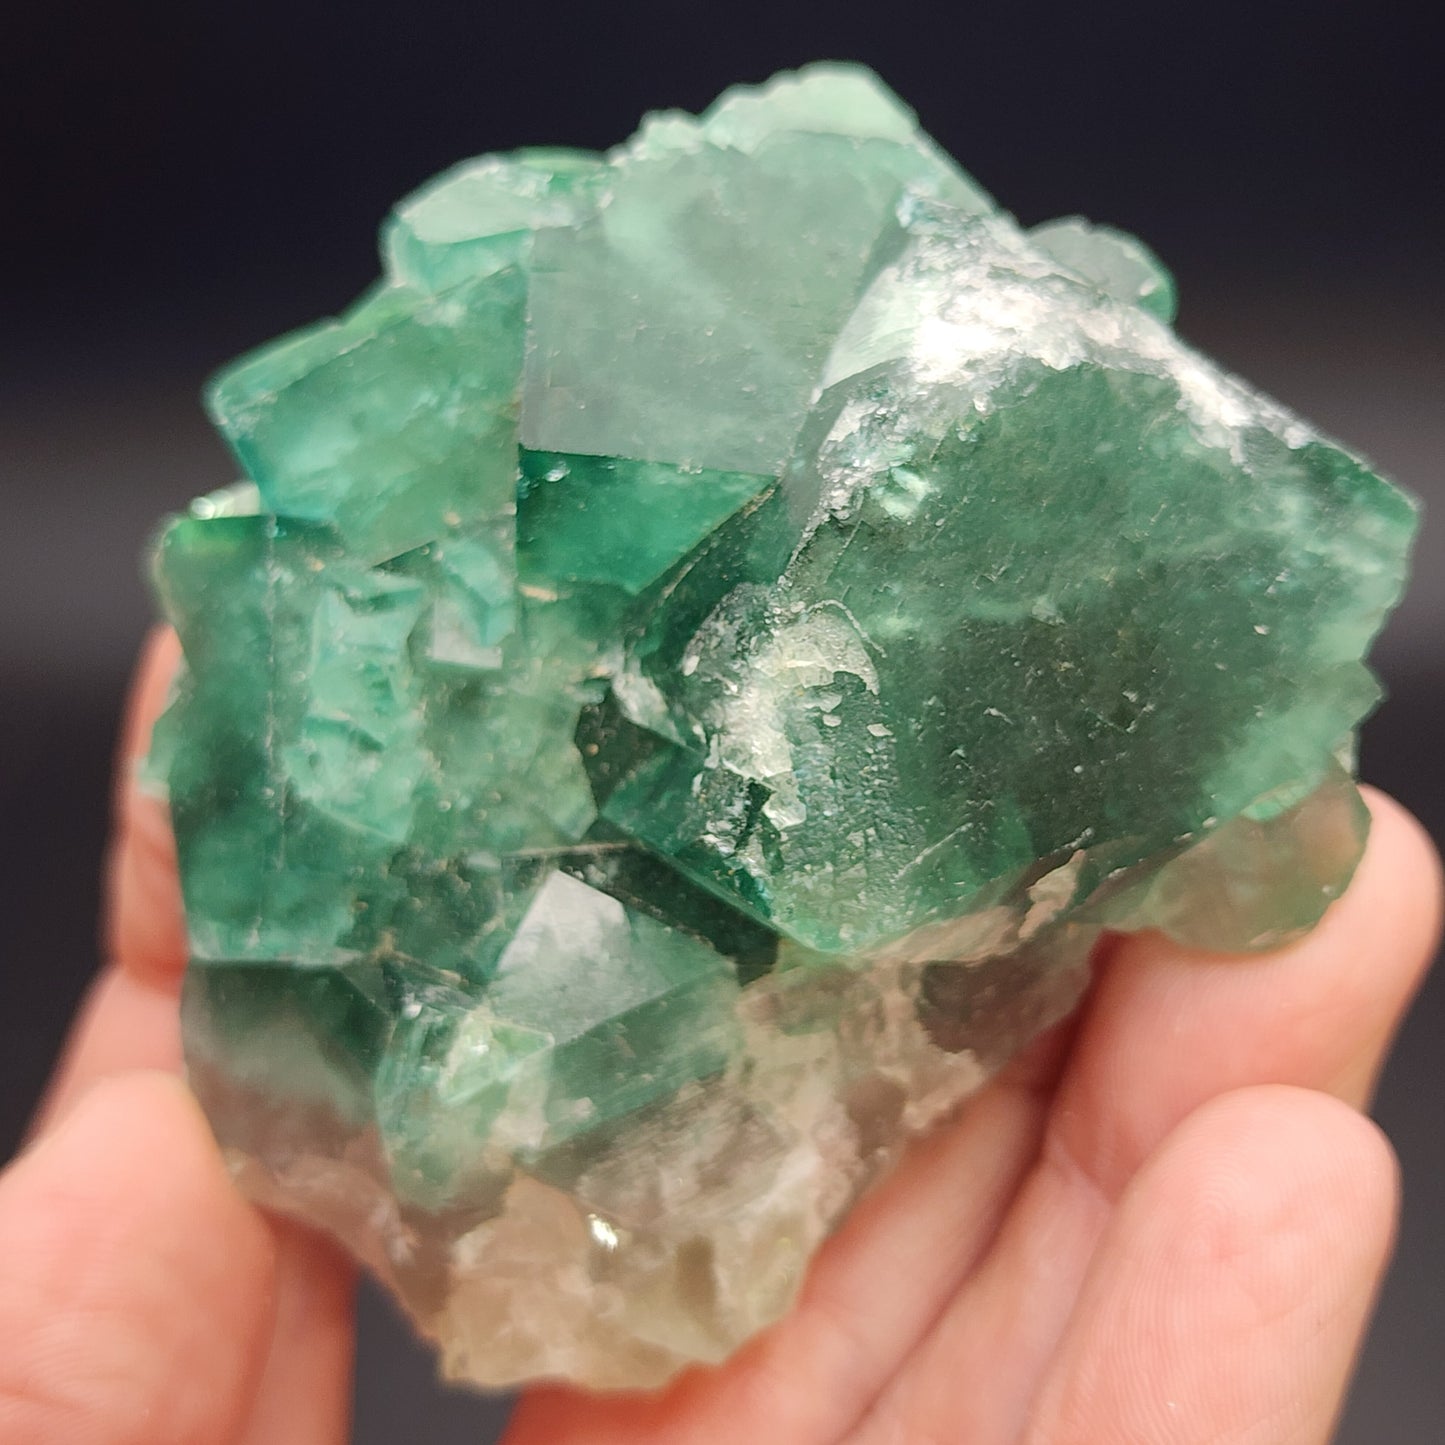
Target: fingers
129,1017
125,1023
160,655
304,1396
1164,1031
974,1375
1226,1301
135,1293
146,930
1169,1028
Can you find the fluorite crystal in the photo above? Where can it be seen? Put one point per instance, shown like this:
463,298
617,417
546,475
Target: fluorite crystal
703,649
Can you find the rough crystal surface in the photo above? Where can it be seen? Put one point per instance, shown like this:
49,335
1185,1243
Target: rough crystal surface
702,650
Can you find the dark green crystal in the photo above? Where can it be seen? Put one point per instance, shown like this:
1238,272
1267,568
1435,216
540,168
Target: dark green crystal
703,648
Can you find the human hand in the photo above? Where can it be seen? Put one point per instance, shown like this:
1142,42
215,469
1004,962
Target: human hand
1164,1224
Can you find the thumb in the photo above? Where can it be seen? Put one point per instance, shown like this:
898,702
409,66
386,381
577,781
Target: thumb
135,1284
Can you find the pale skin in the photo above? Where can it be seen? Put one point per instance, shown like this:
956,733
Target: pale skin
1165,1224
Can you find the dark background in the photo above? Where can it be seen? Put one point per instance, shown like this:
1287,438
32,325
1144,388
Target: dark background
178,186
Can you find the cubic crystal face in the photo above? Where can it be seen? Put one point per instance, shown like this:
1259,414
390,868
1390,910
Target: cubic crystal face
704,648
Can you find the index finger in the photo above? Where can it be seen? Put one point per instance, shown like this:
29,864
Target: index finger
129,1019
145,927
1169,1028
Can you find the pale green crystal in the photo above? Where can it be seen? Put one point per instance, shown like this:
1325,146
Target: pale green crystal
1118,264
688,321
701,651
482,216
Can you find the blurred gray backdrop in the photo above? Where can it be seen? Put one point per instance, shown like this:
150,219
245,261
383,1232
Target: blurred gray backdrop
182,185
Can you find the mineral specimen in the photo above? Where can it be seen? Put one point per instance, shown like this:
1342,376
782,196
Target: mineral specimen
704,648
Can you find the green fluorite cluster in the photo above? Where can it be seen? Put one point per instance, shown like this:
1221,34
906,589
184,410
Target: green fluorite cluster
703,648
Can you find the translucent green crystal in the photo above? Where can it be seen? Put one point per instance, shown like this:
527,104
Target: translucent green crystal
702,650
689,319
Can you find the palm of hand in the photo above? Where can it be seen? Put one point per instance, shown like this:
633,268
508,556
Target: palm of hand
1164,1224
